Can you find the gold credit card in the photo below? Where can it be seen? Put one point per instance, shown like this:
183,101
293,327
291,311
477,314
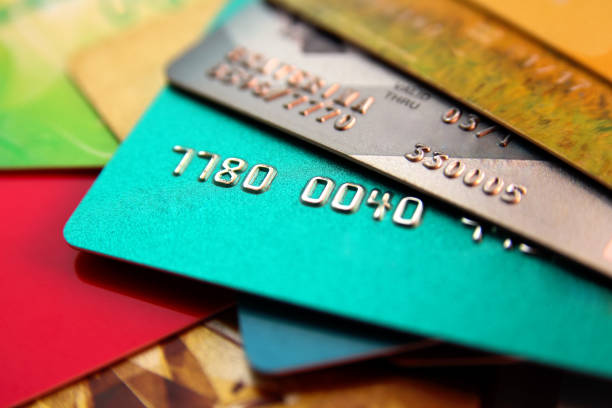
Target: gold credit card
121,75
578,28
493,67
205,367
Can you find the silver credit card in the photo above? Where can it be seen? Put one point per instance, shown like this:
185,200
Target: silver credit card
272,67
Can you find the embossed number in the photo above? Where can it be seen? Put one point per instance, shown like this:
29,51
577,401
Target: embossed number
231,167
311,186
436,161
381,206
355,201
419,152
213,159
417,214
451,116
493,186
514,193
470,124
187,157
264,185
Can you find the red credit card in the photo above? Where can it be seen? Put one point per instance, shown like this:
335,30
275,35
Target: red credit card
63,313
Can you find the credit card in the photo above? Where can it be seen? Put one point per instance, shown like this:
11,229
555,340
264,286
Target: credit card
578,28
337,98
201,368
293,224
279,339
64,314
121,75
492,67
45,122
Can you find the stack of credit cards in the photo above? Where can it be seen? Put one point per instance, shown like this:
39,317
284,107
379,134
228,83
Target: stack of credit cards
336,203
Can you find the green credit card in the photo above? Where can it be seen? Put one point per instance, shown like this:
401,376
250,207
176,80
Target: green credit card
200,192
44,120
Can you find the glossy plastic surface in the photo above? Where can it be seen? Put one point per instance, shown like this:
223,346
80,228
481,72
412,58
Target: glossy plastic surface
64,314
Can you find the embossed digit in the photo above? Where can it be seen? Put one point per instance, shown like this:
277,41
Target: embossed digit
264,185
381,206
237,54
419,152
314,85
493,186
253,60
185,160
473,177
486,131
454,169
332,114
415,218
436,161
230,170
311,186
277,93
235,76
213,159
363,106
451,116
505,141
526,249
345,122
470,124
269,66
355,201
514,193
219,71
347,97
477,234
262,88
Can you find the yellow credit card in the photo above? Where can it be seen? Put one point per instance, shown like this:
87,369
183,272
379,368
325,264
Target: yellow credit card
578,28
206,367
492,66
120,76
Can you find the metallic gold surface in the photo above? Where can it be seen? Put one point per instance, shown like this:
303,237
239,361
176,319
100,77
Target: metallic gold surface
121,76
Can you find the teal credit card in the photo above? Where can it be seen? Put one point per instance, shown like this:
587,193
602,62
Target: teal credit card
418,273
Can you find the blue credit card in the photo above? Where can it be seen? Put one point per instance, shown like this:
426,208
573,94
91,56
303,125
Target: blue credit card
420,273
280,339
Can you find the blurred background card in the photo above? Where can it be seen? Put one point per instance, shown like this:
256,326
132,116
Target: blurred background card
280,339
45,122
491,66
204,368
65,314
578,28
122,75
